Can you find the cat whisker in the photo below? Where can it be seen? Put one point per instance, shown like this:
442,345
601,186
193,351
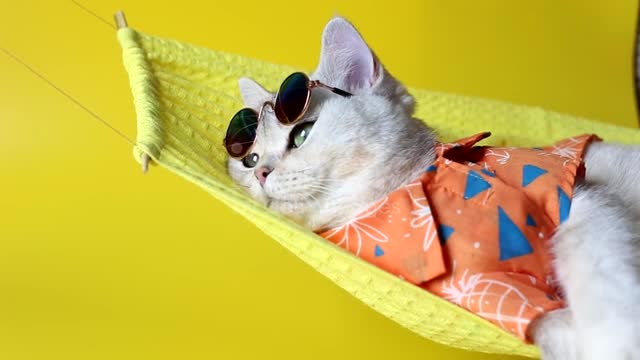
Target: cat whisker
320,188
301,170
332,181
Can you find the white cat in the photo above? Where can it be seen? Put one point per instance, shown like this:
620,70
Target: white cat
354,151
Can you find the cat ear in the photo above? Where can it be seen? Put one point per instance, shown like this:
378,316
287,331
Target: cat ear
253,95
345,60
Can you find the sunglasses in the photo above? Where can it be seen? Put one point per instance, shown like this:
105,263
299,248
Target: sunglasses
292,101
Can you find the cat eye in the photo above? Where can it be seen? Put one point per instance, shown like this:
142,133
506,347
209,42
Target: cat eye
299,134
250,160
291,103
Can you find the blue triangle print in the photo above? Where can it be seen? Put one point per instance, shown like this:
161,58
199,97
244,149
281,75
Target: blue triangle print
530,173
445,233
530,221
513,243
378,251
475,185
564,202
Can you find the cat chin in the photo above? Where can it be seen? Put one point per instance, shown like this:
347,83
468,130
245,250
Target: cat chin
293,209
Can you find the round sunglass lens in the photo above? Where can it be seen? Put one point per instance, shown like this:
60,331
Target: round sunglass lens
241,132
292,98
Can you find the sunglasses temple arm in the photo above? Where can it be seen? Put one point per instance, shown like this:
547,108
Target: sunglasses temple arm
341,92
332,89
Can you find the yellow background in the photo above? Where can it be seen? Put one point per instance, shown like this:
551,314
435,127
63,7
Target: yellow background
98,261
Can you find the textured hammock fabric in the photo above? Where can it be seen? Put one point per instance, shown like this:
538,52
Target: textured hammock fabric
184,97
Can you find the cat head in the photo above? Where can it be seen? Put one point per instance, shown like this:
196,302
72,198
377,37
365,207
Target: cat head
336,160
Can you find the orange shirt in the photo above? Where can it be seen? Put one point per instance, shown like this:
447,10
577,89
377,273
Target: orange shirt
475,227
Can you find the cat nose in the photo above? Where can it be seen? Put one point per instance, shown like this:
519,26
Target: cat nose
262,173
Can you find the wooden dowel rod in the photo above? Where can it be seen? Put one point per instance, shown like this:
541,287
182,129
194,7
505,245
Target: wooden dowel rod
121,20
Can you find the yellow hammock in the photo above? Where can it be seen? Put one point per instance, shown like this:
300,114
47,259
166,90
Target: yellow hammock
184,97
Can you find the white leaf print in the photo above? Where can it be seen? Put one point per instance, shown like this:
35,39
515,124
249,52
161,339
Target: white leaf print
569,150
421,217
503,157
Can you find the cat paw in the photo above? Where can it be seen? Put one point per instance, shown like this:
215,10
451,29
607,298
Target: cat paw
554,335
